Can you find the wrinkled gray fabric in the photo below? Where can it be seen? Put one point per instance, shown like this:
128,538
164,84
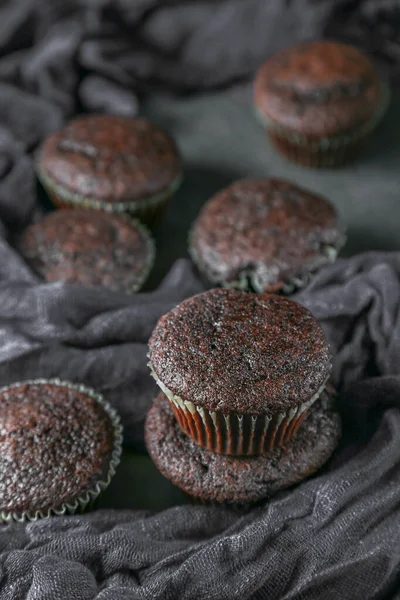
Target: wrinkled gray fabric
357,301
96,337
334,536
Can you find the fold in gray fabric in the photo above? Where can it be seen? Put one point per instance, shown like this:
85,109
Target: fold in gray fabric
87,335
335,535
100,337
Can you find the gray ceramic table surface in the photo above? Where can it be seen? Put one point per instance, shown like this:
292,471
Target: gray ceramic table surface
221,141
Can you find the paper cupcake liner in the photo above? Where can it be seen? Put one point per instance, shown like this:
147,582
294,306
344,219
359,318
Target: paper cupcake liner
238,435
308,156
88,497
201,474
148,210
234,434
324,152
247,280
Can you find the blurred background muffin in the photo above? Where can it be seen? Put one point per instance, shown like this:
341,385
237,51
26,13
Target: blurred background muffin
92,248
117,164
319,101
265,235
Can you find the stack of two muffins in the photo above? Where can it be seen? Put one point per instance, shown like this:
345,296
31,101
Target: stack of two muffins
245,409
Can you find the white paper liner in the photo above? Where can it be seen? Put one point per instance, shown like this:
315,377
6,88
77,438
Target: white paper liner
138,208
234,434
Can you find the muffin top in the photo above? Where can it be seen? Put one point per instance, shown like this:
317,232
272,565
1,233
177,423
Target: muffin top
56,444
318,88
230,351
269,230
89,247
110,159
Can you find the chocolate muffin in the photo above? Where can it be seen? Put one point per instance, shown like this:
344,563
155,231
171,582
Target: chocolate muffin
265,235
241,370
319,101
117,164
60,444
89,247
211,477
